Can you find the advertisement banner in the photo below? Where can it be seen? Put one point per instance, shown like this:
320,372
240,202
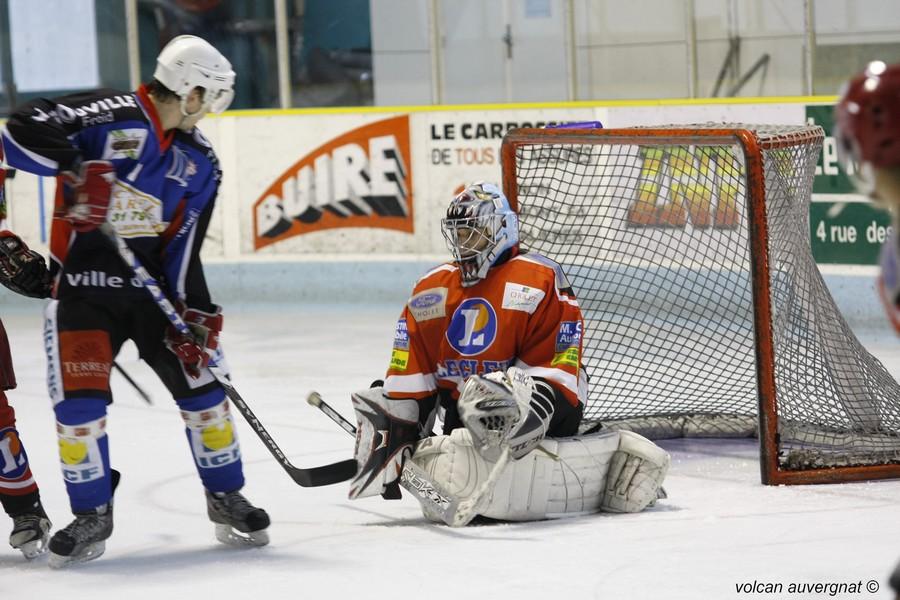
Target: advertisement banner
300,184
847,233
464,147
844,227
468,143
361,178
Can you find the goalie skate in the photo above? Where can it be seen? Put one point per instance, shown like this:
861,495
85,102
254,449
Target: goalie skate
31,532
83,539
238,523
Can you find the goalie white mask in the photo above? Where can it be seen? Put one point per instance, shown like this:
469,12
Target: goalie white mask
188,62
480,226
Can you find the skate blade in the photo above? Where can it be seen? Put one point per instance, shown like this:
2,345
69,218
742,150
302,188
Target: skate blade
32,549
228,535
31,543
95,550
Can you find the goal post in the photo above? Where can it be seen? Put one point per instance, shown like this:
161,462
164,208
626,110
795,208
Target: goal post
706,315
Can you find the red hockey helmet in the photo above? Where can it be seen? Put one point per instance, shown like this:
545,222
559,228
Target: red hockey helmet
867,120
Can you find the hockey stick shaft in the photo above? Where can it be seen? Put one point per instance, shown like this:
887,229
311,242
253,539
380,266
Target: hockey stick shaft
455,512
316,400
141,392
324,475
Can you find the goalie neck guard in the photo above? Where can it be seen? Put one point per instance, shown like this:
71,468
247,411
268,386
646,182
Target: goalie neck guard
479,227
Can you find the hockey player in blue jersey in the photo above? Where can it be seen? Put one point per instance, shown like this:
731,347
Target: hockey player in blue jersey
137,162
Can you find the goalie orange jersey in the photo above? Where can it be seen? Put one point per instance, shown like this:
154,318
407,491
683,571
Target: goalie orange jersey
522,314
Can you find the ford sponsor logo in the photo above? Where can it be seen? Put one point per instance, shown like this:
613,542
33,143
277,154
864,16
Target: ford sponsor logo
425,300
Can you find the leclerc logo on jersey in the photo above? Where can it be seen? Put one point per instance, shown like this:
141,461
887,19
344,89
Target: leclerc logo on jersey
13,461
473,327
360,179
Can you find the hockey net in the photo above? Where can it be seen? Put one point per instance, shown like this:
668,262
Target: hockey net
705,314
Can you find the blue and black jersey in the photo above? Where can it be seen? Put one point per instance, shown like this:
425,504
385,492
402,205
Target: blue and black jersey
161,202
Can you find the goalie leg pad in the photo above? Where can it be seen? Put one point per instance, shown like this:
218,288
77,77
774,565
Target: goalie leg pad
563,477
452,464
636,474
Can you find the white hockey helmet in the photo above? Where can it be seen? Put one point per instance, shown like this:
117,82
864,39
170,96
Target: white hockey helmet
188,62
479,227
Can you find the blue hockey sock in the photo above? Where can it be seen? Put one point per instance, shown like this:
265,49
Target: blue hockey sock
84,451
213,439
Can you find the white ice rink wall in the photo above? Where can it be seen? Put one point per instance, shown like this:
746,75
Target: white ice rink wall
335,205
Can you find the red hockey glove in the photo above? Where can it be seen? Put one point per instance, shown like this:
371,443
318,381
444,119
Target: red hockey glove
195,351
22,270
87,194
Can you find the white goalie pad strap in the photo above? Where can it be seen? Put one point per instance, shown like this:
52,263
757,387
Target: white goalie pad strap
636,474
563,477
386,431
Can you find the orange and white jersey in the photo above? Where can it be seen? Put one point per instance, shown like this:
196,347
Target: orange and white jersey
522,314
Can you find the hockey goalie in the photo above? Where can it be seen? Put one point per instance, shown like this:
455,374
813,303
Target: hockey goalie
492,343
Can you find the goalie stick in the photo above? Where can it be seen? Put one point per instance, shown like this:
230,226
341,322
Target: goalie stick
312,477
455,512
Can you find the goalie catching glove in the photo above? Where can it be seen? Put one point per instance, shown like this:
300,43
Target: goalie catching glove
195,351
506,408
22,270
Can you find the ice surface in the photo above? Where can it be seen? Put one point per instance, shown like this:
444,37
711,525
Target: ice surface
720,527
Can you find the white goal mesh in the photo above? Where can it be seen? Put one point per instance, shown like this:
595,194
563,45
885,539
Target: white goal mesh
688,247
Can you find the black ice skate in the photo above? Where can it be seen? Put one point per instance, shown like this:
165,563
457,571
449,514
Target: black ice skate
238,523
83,539
31,530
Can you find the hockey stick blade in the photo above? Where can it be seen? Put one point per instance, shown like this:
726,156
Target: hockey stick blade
313,477
454,511
324,475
